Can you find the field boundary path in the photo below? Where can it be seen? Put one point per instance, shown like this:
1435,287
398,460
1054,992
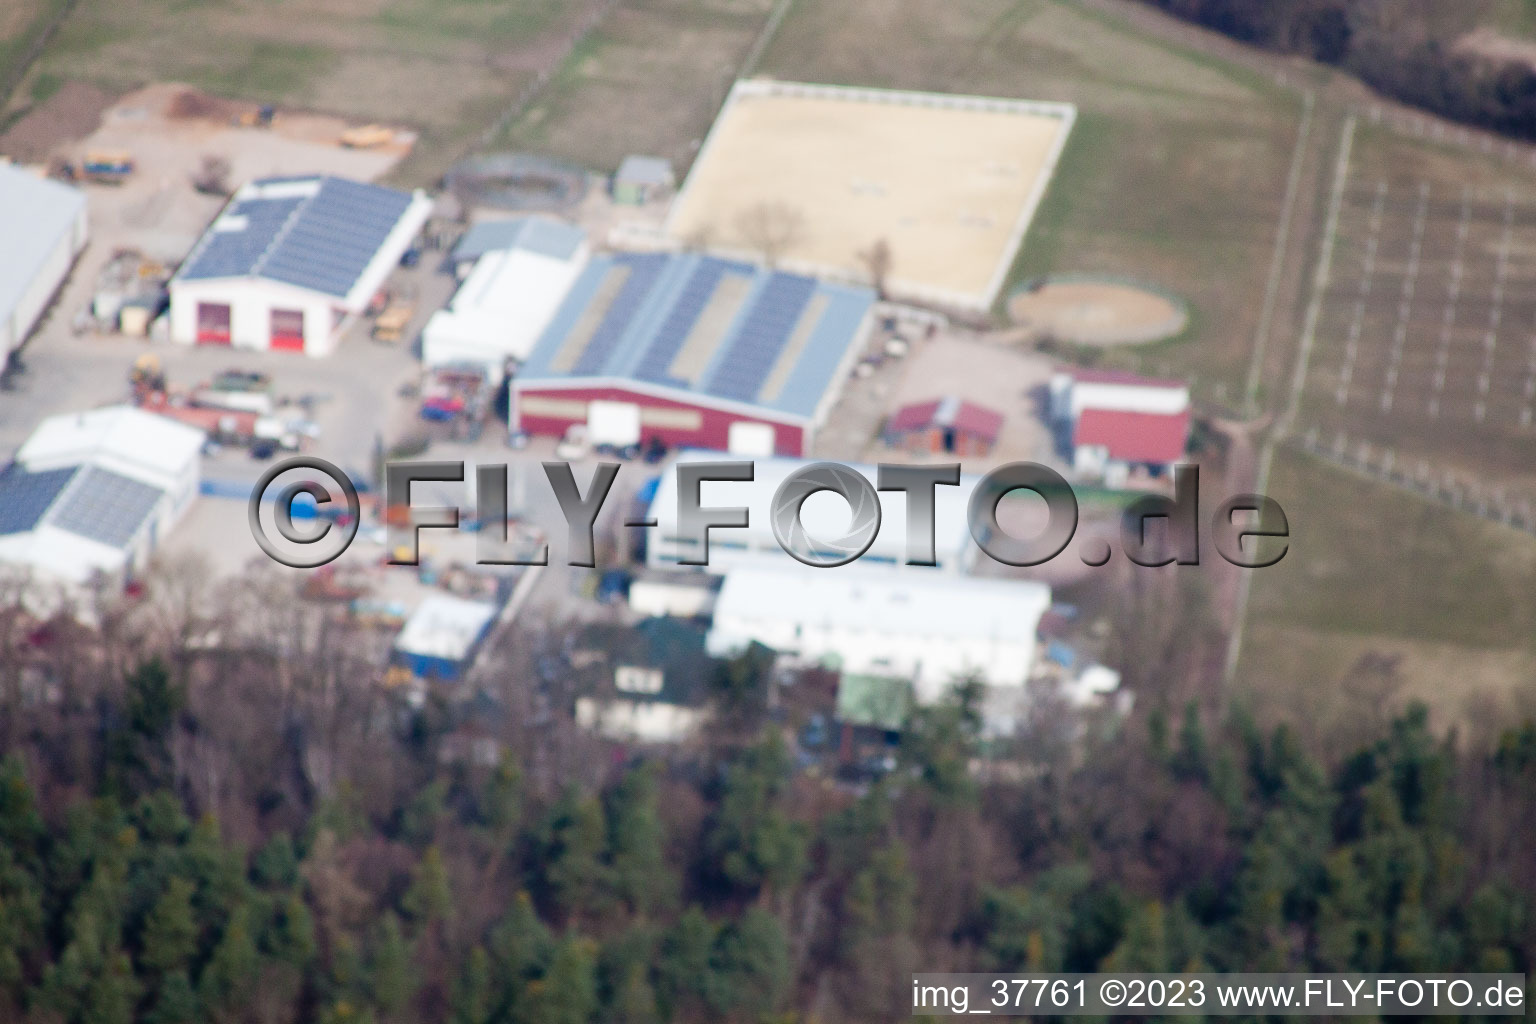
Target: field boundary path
1286,423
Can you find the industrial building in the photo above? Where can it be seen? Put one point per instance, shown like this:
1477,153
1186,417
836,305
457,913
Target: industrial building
289,262
1114,424
45,229
933,629
693,351
509,297
95,492
823,515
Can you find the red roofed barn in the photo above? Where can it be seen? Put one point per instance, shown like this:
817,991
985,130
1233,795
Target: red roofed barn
1115,423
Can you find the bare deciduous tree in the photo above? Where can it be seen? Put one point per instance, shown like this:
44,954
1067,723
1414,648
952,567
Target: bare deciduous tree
877,259
771,228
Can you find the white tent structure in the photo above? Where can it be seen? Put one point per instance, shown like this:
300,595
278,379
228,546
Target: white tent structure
508,299
931,628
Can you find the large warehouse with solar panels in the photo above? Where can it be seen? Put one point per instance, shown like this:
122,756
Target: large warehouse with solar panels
290,261
693,351
95,492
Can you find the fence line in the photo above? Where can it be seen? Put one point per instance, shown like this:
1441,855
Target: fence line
1417,476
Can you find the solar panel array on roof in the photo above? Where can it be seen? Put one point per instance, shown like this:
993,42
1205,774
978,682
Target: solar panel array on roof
644,269
323,240
777,340
762,338
335,236
105,506
228,252
684,314
25,497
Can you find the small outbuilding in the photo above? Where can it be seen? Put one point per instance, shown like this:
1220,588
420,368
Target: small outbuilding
45,229
643,179
951,426
441,637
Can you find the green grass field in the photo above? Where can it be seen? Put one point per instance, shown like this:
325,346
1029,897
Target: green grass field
650,79
445,67
1375,572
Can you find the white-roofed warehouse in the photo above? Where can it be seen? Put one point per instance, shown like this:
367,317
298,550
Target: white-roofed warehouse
509,297
930,628
290,261
44,225
823,515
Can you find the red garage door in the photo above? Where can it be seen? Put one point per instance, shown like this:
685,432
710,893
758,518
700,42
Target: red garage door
213,323
288,330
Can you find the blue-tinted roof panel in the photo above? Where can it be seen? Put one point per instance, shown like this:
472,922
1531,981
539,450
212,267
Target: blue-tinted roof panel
757,345
322,239
105,506
643,328
25,497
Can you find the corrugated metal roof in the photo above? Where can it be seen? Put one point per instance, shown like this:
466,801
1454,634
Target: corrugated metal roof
1134,436
536,234
645,170
34,214
318,233
704,326
952,411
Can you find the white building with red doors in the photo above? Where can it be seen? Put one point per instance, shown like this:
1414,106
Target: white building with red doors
289,262
1114,423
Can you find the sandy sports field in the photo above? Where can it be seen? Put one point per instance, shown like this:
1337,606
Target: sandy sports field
1097,312
823,173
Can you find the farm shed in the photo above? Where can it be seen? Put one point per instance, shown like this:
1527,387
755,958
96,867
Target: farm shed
702,352
45,229
1112,422
289,262
944,425
96,492
508,299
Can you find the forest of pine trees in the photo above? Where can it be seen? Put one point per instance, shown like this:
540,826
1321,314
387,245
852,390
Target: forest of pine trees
724,884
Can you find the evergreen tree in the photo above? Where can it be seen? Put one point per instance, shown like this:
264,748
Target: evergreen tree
429,898
640,873
170,933
391,970
574,839
567,994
